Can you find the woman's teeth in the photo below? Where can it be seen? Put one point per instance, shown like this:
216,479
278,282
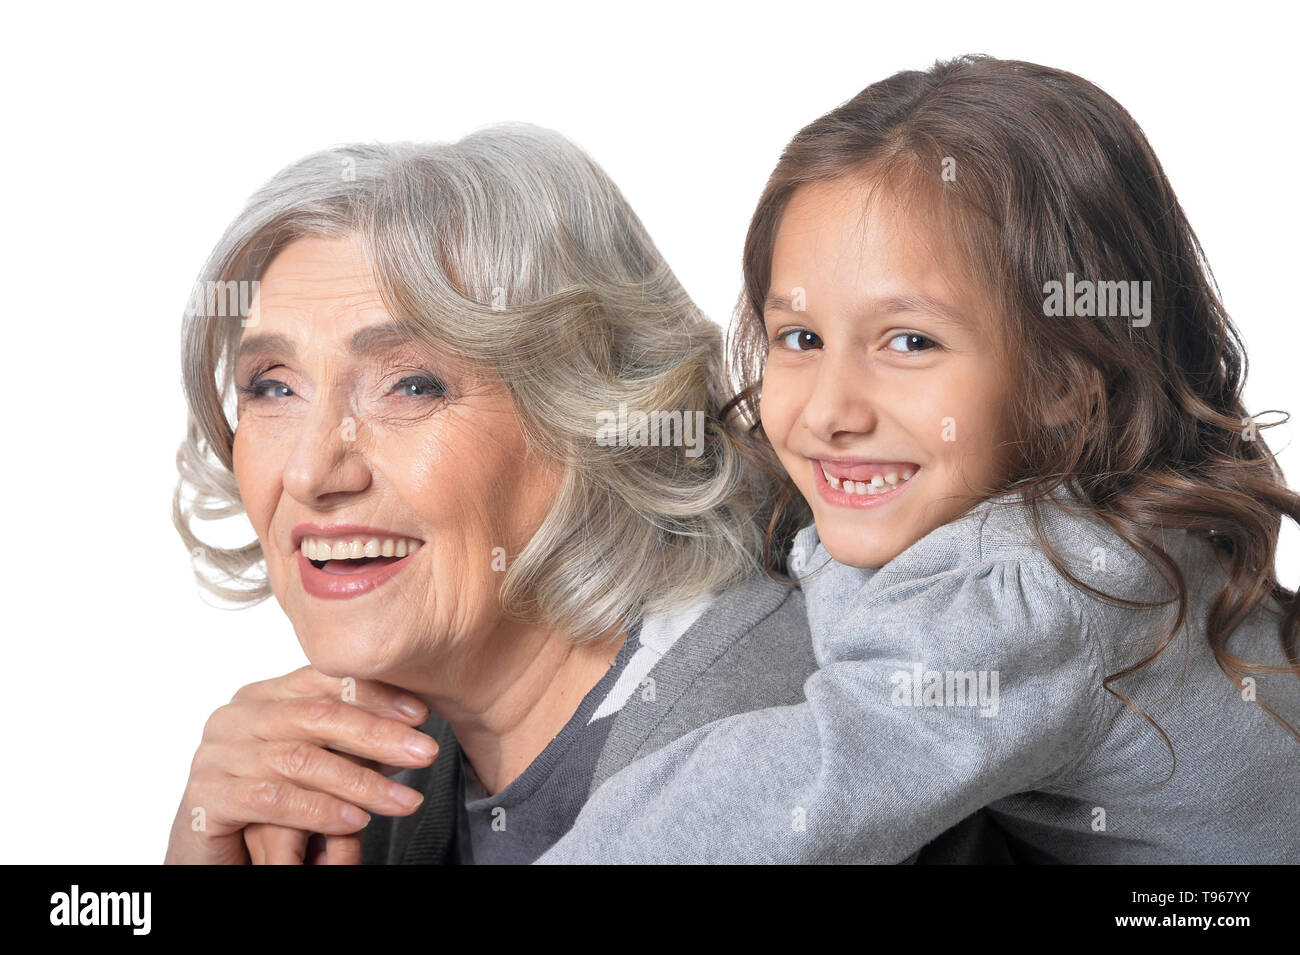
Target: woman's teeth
318,548
879,484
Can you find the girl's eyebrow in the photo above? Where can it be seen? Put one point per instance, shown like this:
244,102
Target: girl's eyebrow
888,306
918,303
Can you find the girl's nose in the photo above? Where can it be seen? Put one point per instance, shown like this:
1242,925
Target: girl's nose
840,402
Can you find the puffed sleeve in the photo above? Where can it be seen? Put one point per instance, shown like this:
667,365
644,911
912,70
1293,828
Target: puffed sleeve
937,697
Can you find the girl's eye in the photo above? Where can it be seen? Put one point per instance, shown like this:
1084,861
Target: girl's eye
420,386
800,339
266,388
911,342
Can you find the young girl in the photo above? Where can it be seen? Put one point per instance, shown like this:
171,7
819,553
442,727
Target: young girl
1039,572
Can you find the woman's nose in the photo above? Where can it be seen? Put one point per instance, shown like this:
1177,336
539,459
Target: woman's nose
841,401
327,457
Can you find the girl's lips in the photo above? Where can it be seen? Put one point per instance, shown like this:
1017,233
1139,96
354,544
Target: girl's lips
843,499
350,582
864,470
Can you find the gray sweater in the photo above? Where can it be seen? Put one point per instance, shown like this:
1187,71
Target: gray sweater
967,673
750,649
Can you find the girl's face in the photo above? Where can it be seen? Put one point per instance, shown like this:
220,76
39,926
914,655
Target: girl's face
884,393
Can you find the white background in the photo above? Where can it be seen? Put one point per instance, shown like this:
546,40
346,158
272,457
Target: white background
131,138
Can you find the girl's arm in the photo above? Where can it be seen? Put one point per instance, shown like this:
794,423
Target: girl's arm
938,697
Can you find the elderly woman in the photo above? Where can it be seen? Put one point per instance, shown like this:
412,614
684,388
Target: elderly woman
482,440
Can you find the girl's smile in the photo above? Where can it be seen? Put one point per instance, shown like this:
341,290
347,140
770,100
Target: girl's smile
848,482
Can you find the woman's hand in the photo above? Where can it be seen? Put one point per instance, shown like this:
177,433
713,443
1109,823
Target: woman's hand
268,759
269,844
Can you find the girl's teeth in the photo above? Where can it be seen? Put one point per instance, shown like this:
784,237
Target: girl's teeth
879,483
316,548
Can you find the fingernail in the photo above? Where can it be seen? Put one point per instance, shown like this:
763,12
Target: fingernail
355,817
410,707
404,796
421,747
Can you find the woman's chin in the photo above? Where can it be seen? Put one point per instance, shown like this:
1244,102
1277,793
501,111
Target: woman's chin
343,653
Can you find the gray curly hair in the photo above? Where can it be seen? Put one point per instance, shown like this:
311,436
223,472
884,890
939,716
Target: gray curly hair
514,249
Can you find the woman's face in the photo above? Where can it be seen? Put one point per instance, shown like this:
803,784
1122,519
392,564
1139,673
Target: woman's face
883,395
350,435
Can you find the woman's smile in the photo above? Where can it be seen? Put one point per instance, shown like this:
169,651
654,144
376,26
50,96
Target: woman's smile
344,561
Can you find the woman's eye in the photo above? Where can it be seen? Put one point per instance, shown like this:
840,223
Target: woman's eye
800,339
267,389
419,386
911,342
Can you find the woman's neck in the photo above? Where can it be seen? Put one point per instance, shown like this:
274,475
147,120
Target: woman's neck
508,702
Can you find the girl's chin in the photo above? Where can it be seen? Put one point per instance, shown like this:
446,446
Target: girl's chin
852,551
863,561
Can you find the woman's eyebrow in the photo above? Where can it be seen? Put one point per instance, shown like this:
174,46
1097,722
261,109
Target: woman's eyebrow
367,341
265,343
381,337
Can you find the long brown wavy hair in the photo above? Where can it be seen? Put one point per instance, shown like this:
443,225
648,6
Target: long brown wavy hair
1049,176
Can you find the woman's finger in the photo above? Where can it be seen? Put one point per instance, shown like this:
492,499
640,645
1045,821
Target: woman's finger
343,850
307,681
281,803
310,767
384,769
326,722
275,845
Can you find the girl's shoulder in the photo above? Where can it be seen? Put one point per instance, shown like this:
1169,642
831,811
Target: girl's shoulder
1063,546
989,571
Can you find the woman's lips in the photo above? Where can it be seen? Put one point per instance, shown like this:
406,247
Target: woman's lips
338,572
841,498
350,582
